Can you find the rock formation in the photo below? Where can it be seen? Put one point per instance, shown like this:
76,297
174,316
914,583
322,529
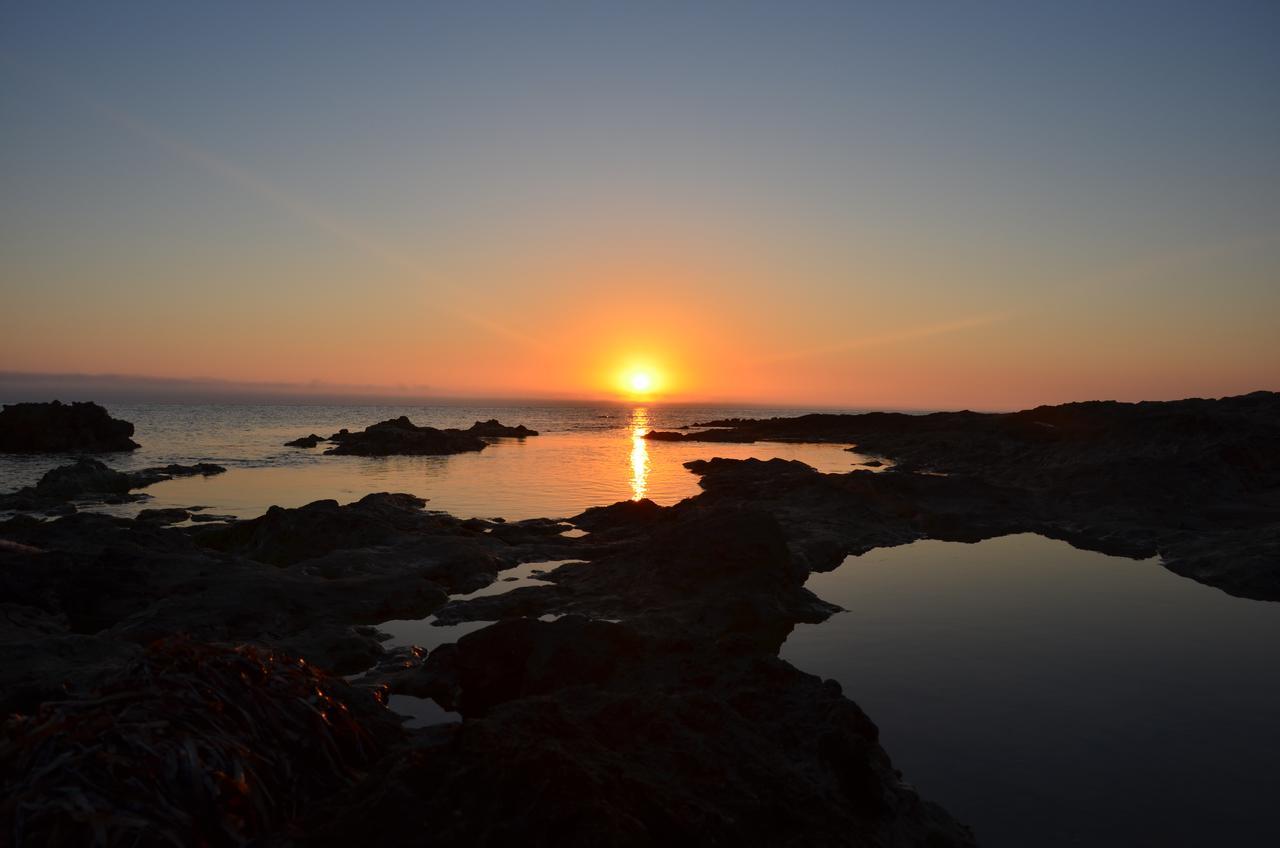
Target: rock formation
62,428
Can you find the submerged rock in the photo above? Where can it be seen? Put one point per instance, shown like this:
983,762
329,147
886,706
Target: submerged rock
62,428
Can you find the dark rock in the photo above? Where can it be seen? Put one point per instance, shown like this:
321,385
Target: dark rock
1197,481
229,744
580,732
84,478
306,441
90,479
62,428
400,436
623,514
494,427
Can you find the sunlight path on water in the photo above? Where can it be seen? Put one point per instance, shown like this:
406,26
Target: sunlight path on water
639,452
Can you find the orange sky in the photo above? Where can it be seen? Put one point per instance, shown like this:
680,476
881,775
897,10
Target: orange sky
846,209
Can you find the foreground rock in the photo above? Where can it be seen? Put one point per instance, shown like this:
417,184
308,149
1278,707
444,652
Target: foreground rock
580,732
1196,482
62,428
227,742
677,722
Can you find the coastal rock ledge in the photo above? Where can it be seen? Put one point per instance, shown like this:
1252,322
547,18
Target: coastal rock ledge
62,428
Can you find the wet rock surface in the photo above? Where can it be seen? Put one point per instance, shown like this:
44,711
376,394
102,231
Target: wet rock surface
58,427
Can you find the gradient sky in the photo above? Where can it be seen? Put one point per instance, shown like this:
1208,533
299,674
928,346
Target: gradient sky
909,204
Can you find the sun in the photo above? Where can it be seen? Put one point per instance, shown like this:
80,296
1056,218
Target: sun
640,382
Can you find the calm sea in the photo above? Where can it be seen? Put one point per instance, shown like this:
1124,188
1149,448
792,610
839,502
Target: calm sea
584,456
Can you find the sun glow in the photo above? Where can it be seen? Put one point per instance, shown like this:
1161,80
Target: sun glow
640,381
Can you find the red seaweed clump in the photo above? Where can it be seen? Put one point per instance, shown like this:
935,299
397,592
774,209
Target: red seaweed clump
193,744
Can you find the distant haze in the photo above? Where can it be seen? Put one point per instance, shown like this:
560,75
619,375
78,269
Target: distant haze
897,205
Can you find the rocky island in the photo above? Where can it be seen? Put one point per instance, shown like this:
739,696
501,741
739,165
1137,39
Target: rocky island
401,437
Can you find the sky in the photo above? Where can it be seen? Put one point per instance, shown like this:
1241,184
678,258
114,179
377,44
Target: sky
911,205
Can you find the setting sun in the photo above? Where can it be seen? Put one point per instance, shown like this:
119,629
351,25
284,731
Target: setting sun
640,382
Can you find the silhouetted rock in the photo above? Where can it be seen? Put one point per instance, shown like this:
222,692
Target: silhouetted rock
623,514
1195,481
686,690
91,479
494,427
306,441
62,428
583,732
400,436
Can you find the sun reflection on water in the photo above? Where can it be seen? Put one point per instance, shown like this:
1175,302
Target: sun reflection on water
639,453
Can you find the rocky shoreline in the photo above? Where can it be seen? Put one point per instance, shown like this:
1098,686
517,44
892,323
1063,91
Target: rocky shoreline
1195,482
634,696
675,719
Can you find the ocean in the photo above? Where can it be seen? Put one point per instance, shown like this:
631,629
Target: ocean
585,455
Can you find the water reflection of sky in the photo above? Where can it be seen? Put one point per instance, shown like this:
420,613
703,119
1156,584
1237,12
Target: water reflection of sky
1050,696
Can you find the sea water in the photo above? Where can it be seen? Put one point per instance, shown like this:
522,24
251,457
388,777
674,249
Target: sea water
585,455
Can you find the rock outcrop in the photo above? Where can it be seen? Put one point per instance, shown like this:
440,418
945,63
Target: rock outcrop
91,479
494,427
401,437
677,721
58,427
1196,482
